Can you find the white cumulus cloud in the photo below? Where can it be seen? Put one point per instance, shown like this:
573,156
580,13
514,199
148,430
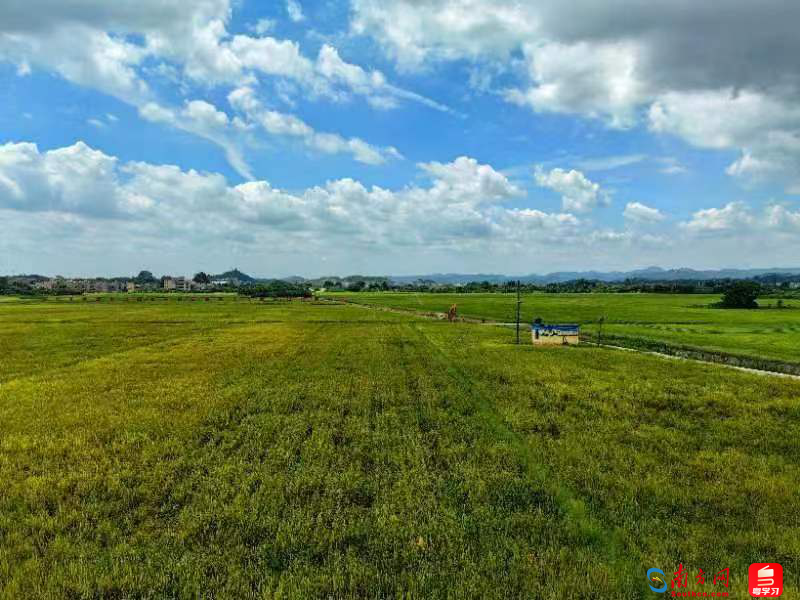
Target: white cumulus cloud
698,71
641,213
295,11
459,207
734,216
578,193
280,124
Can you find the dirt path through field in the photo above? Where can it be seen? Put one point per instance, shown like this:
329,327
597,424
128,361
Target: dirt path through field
708,362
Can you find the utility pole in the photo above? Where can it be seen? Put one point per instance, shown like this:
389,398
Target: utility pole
519,303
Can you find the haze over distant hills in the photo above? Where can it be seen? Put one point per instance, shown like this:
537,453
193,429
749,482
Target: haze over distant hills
650,273
647,274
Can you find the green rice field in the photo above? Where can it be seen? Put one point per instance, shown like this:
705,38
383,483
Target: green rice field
244,449
674,319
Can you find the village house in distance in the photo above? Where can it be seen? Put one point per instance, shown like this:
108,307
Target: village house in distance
143,282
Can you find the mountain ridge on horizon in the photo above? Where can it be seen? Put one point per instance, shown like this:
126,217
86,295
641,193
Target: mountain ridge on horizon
648,273
652,273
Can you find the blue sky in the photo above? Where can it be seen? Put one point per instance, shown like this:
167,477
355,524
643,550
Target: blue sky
397,137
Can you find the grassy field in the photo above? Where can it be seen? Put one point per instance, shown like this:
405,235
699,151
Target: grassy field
677,319
302,450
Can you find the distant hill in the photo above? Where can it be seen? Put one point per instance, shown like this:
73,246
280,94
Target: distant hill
235,274
296,279
648,274
339,281
454,278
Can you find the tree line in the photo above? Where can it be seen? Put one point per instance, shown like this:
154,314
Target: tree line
763,284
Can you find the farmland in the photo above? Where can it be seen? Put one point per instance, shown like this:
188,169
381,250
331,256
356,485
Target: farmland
684,320
288,450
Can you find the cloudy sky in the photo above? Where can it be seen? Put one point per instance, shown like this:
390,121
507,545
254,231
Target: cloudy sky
397,136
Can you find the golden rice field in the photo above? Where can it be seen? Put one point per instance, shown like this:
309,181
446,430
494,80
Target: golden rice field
238,449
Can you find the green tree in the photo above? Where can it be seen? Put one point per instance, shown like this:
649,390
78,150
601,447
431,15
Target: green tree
357,286
201,277
741,294
277,289
145,277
